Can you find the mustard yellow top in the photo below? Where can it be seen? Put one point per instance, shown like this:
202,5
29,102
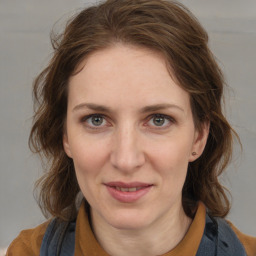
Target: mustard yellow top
29,241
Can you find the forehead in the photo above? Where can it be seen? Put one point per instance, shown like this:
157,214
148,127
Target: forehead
125,74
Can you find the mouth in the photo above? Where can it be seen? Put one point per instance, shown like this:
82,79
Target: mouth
128,192
128,189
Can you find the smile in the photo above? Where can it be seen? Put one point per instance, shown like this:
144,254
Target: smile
128,192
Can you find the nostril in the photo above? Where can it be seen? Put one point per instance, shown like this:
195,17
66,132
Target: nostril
127,163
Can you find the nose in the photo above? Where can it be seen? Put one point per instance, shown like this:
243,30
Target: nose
127,154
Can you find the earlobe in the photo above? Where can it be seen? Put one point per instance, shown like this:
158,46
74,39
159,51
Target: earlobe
200,141
66,145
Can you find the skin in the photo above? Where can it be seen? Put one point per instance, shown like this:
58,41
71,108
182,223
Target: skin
128,141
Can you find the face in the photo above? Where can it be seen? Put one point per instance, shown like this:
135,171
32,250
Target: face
130,133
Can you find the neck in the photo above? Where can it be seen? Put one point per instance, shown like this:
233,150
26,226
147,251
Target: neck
158,238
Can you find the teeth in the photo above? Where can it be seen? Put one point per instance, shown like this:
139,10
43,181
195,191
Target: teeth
124,189
127,189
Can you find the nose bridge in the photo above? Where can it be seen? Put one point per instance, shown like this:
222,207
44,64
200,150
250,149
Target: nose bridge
127,154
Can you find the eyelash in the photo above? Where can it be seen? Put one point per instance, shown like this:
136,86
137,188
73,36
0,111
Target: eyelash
168,118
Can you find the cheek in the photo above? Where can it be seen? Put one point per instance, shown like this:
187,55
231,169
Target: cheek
88,161
171,160
88,156
174,150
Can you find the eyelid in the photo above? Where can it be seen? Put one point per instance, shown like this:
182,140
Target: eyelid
162,115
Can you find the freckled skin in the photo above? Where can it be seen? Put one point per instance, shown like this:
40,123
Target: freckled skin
127,144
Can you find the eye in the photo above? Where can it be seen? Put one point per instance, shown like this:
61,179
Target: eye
160,120
94,121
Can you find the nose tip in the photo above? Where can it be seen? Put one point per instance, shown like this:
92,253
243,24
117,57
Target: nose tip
126,163
127,154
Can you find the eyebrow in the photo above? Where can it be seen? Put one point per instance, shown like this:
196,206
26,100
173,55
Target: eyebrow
92,106
150,108
157,107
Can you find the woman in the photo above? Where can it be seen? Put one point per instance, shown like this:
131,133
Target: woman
129,115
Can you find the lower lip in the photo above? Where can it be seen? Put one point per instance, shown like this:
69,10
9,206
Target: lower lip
128,197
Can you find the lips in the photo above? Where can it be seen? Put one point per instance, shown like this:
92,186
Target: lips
128,192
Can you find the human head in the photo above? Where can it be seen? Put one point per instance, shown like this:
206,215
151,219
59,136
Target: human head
166,27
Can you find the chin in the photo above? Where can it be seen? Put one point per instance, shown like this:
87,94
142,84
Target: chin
129,220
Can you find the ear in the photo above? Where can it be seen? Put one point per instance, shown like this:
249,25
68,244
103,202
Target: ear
66,145
200,140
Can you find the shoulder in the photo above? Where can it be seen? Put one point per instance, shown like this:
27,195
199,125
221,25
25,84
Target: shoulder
28,241
248,242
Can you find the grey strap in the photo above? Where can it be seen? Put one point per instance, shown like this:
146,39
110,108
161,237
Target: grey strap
59,239
219,240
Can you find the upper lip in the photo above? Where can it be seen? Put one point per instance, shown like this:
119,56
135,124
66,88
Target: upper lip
127,185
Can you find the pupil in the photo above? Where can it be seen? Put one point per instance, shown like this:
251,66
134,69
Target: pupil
159,121
97,120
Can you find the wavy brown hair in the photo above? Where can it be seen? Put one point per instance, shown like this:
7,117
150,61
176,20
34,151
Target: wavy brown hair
163,26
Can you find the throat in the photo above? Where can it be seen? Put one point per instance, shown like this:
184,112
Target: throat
156,239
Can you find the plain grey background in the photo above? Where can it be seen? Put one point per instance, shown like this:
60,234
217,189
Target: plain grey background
25,49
